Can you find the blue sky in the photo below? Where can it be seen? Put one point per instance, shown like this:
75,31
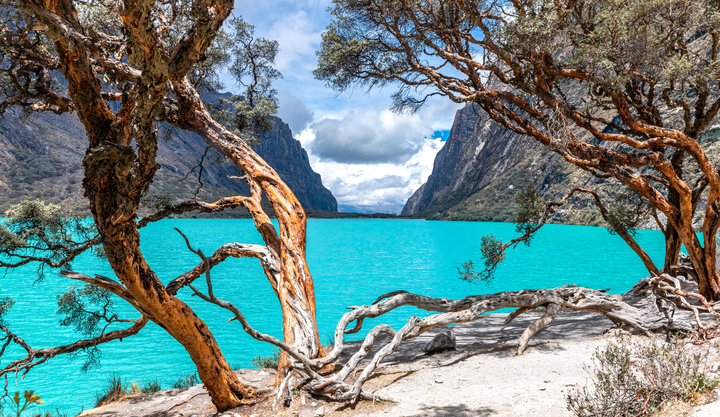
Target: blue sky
366,154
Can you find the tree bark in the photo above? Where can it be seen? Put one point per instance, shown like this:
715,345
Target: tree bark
115,178
121,244
294,284
672,248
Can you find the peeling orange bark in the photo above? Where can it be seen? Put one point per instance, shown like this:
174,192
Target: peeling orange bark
116,175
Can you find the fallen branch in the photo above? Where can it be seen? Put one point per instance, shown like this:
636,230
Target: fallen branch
449,312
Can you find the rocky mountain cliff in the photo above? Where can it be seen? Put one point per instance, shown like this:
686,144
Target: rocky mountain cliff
482,165
41,157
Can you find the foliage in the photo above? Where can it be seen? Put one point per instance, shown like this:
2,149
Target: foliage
44,231
186,381
20,404
152,386
115,390
248,114
628,211
90,310
493,251
530,211
6,304
637,377
271,361
85,308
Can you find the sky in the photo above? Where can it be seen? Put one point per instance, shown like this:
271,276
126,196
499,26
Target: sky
366,154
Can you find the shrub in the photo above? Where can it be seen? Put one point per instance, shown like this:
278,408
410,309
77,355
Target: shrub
152,386
267,361
638,378
115,390
186,381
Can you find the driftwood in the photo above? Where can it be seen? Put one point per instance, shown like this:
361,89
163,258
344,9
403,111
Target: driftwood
652,318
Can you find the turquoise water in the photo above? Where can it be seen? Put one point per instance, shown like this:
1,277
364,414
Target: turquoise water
352,262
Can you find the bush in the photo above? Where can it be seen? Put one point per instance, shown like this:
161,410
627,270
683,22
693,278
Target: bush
267,361
638,378
114,391
152,386
186,381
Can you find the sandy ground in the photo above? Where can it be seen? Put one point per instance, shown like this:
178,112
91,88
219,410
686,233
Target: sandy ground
483,377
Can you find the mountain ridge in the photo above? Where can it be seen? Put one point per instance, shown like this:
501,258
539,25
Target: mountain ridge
41,158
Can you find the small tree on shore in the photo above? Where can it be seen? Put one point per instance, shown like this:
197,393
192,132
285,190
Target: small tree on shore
621,89
125,67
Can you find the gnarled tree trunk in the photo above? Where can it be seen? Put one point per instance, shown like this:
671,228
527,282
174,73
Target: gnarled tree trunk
293,283
117,174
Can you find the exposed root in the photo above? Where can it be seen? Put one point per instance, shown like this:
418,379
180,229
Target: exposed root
670,288
335,385
551,311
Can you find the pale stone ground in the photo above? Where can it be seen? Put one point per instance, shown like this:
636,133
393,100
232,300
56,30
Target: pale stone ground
483,377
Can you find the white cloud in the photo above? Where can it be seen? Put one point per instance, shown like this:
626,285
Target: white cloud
294,111
298,38
365,154
372,184
368,136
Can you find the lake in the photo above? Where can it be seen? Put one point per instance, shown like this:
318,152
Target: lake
352,261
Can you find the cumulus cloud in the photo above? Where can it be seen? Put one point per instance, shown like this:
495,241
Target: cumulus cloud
294,112
369,136
377,183
366,155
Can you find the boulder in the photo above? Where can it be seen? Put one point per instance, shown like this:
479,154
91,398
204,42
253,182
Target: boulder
440,343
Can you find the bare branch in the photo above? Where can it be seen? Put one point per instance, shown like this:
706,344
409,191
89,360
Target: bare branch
37,357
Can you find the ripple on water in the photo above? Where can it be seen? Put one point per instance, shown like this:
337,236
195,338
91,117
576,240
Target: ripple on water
352,262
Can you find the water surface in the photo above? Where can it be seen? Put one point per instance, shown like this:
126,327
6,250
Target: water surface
352,262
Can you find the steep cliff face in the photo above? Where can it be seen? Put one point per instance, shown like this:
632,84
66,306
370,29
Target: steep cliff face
41,157
290,160
481,167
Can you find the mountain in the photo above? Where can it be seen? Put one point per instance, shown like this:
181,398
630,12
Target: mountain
386,208
41,157
482,165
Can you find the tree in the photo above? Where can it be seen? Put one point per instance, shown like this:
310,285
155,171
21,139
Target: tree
621,89
124,67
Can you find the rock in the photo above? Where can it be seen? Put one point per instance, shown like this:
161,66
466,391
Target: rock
302,399
320,412
716,395
440,343
284,153
715,368
713,350
313,405
236,415
178,154
439,379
